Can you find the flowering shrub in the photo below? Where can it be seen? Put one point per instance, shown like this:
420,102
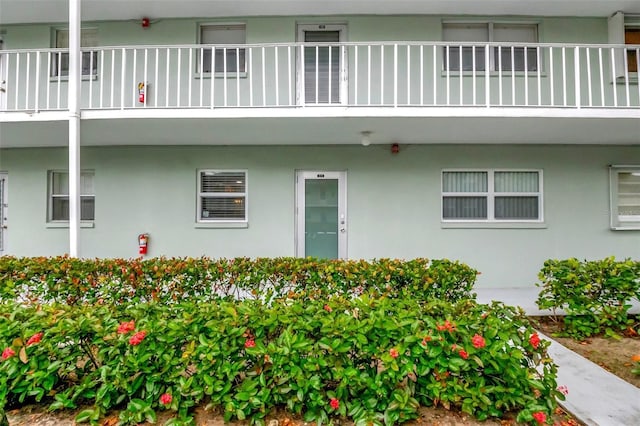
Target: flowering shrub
594,294
636,364
77,281
368,359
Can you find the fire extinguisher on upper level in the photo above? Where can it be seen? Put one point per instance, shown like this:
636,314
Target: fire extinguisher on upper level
143,242
141,89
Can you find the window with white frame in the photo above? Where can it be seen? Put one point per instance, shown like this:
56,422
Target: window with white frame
59,196
492,195
222,196
60,63
510,54
625,197
227,40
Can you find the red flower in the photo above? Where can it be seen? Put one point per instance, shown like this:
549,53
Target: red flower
327,308
478,341
447,325
165,399
137,338
539,417
393,352
463,354
249,343
126,327
563,390
36,338
7,353
535,341
334,403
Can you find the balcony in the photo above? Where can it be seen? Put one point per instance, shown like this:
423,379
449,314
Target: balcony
436,81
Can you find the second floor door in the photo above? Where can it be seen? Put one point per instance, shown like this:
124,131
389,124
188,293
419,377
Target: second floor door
322,78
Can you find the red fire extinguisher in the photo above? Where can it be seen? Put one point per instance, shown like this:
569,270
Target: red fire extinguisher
143,241
141,92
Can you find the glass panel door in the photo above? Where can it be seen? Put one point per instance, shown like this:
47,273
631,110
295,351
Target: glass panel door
321,215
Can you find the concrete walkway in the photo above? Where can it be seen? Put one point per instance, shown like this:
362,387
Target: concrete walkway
596,397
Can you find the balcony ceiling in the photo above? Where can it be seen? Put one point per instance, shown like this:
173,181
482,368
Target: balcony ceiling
38,11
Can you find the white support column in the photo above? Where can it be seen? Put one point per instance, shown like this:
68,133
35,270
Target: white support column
75,74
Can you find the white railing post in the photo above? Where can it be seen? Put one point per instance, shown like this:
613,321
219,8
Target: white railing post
487,77
395,75
576,60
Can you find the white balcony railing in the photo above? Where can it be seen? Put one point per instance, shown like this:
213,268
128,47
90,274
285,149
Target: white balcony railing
417,74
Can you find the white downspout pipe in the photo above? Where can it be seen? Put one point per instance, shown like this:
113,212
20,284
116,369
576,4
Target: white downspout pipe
75,75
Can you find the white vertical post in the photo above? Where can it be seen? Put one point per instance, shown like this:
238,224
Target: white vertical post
576,61
395,75
74,127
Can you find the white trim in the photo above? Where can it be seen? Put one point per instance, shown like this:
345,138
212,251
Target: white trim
491,195
222,223
83,224
347,112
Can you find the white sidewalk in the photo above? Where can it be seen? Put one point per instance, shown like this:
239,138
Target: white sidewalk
596,397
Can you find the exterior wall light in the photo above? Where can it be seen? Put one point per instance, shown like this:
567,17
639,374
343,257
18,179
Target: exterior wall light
366,138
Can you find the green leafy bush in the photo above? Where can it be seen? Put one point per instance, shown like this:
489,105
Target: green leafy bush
370,359
72,281
595,295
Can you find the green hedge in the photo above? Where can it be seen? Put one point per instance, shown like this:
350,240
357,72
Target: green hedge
595,295
371,359
72,281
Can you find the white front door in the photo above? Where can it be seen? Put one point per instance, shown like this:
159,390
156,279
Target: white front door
321,214
3,212
322,76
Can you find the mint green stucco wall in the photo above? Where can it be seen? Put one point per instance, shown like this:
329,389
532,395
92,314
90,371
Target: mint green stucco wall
283,29
393,203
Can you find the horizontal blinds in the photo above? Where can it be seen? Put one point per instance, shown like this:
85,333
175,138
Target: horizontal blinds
322,67
629,194
223,208
223,195
222,182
